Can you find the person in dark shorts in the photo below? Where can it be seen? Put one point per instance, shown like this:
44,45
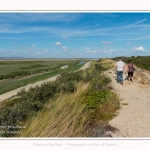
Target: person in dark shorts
130,71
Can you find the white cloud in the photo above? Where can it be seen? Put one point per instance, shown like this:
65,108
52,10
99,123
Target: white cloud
38,52
32,47
45,51
94,51
65,48
141,21
128,43
13,42
65,37
112,50
86,48
15,51
89,51
141,49
58,43
107,42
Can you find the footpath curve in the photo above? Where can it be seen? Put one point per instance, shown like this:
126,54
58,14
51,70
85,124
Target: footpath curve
12,93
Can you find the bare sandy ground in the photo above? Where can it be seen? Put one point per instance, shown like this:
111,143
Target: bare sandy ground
133,119
12,93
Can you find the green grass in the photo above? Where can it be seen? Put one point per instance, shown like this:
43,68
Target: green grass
8,86
63,117
101,105
8,103
125,104
47,111
11,69
73,114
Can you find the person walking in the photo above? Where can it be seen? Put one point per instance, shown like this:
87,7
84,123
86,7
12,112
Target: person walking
130,71
120,67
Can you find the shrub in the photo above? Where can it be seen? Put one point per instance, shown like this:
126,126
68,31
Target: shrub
31,101
101,105
67,87
73,76
86,76
100,82
99,66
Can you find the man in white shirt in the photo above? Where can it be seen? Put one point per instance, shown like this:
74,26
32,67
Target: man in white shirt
120,67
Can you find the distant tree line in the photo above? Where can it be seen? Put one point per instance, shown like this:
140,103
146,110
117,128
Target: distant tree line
140,61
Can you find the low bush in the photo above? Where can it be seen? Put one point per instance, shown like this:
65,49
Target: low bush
67,87
100,82
73,76
33,100
98,66
101,105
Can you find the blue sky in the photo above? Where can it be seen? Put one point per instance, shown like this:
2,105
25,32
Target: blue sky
74,34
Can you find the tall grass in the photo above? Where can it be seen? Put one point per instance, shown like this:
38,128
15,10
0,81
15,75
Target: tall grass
75,105
78,114
74,115
64,117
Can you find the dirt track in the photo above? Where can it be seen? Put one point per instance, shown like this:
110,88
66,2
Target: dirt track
133,119
14,92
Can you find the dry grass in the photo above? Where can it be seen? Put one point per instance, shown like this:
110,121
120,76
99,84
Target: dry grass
141,78
66,116
63,117
108,63
144,80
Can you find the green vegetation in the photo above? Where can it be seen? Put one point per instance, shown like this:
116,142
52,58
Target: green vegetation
12,69
101,105
67,107
140,61
101,102
124,103
5,86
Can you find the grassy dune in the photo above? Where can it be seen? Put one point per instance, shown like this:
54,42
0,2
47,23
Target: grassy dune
77,104
64,117
83,113
77,114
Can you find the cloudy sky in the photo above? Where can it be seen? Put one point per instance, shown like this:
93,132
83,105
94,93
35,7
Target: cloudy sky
74,34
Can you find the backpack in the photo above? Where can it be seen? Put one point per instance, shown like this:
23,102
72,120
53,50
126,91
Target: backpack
130,68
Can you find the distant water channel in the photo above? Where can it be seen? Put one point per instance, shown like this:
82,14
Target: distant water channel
81,63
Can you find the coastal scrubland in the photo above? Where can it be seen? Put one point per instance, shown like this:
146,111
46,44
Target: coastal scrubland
77,104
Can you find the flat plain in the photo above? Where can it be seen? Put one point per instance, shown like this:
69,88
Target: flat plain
18,73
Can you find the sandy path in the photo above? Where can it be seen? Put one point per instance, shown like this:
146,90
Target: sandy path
133,119
8,95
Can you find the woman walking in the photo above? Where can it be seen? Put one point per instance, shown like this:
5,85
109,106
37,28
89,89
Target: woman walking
130,71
